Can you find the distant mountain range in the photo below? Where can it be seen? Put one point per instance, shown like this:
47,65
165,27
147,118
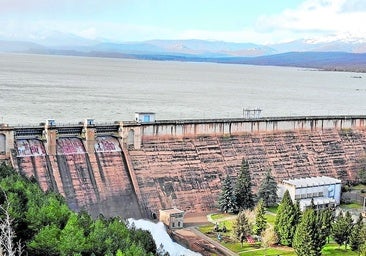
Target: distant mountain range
345,54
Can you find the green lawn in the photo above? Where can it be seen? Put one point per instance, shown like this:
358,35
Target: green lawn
255,249
206,228
270,251
334,250
359,187
272,209
217,216
236,247
270,219
329,249
351,206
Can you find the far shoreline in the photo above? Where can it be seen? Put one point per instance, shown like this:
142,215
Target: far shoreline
274,60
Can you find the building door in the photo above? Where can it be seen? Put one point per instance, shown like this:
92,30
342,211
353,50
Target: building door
2,144
131,138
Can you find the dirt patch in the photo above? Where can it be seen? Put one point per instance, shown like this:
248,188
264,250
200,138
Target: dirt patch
195,220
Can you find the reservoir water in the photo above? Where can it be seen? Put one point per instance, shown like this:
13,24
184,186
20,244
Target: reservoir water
34,88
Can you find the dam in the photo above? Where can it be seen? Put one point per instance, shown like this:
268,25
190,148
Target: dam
135,168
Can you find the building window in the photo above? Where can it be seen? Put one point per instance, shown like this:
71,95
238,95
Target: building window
178,224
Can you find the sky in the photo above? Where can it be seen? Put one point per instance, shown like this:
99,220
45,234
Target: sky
258,21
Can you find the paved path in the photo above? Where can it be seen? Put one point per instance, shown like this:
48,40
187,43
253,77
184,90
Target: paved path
215,243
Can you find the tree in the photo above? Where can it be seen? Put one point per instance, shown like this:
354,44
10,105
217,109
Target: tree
144,238
326,220
7,233
46,226
260,219
46,242
241,228
286,220
268,190
308,240
341,228
96,240
362,170
243,188
227,200
349,222
355,238
72,238
269,237
134,250
362,247
46,211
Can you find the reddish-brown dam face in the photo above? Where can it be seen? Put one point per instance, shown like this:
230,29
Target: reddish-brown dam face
104,171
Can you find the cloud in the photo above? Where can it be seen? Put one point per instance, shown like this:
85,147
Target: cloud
89,33
127,20
354,6
318,17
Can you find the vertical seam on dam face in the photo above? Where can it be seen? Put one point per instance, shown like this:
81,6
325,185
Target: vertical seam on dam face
100,169
182,163
53,184
67,181
129,173
91,177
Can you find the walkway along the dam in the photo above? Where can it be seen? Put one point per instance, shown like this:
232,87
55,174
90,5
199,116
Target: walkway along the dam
134,169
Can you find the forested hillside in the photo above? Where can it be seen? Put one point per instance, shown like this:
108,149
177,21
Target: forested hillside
36,223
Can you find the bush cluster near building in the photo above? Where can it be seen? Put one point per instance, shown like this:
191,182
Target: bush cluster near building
36,223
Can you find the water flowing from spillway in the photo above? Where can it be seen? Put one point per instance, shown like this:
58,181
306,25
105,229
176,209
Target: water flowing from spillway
161,236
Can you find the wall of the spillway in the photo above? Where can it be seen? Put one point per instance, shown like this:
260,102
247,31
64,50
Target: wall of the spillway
97,182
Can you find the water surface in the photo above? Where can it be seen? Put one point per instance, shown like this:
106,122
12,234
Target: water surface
34,88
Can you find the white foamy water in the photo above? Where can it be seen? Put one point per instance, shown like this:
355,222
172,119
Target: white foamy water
160,236
68,89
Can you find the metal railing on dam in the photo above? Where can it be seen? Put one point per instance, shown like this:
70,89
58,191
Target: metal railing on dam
203,126
247,125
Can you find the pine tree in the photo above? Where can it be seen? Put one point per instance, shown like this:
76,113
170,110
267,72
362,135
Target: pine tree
326,220
355,239
308,241
341,229
241,228
243,188
349,221
260,219
227,200
297,212
268,190
286,220
362,247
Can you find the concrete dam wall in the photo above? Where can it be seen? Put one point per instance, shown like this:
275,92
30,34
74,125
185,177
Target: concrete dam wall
134,169
97,182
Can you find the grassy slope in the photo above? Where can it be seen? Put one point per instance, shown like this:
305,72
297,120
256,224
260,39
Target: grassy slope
255,249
